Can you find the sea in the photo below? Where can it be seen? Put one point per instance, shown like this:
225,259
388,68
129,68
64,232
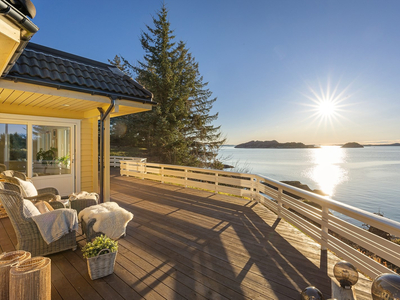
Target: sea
367,178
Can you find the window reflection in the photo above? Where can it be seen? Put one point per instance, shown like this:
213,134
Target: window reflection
51,150
13,145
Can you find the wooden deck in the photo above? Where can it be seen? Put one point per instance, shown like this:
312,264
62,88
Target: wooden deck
192,244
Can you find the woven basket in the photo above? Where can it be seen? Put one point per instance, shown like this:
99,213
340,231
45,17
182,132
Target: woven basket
7,260
3,213
101,265
31,279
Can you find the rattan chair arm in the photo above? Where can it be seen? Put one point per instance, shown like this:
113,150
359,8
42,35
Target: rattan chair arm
45,197
48,190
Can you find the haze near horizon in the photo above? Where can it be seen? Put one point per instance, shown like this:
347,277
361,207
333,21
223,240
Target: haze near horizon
293,71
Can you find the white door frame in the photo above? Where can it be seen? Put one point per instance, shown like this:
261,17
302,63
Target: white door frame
75,125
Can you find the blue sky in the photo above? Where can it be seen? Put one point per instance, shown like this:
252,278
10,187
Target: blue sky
269,63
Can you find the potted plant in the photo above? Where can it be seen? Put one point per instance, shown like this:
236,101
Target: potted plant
47,158
100,256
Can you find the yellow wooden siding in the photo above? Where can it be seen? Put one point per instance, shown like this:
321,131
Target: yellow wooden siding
88,150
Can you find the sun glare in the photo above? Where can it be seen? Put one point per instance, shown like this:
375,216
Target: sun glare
327,103
326,108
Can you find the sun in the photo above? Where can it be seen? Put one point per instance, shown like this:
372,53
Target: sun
327,103
326,108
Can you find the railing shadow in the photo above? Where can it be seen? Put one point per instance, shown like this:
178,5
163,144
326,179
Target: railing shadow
233,247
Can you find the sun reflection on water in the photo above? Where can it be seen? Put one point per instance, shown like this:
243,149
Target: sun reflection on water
326,170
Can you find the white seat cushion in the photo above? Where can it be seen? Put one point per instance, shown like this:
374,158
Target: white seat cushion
30,209
28,189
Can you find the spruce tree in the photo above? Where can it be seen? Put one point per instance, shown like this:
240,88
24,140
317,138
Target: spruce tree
179,129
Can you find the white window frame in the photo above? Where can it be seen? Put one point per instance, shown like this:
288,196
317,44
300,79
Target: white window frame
29,121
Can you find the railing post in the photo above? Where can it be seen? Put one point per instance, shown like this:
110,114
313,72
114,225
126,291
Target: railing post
162,174
216,182
186,171
254,186
280,192
324,228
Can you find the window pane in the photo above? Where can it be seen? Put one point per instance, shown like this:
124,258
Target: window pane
51,150
13,147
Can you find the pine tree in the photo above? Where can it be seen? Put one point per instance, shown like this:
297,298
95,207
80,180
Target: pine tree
120,64
179,129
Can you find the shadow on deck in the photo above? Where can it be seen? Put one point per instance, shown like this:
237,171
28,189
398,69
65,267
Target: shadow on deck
192,244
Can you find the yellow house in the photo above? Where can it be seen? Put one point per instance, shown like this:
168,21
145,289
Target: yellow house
50,106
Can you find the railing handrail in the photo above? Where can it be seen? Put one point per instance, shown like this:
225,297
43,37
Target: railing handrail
367,217
276,196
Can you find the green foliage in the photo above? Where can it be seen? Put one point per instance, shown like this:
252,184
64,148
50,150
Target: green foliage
396,241
64,160
119,63
93,249
48,156
179,129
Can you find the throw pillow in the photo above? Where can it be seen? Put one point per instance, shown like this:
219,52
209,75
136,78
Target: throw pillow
49,207
43,206
28,189
29,209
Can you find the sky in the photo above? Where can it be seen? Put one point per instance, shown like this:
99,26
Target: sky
319,72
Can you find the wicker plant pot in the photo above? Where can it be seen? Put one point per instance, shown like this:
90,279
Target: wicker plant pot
101,265
31,279
7,260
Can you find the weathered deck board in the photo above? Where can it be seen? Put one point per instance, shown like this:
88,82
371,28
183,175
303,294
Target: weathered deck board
192,244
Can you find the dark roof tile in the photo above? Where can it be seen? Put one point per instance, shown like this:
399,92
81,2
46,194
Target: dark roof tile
53,66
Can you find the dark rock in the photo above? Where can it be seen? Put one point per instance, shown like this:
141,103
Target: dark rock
273,144
352,145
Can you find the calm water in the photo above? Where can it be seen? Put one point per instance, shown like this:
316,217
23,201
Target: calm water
367,178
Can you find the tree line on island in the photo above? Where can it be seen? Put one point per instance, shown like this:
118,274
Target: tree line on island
179,129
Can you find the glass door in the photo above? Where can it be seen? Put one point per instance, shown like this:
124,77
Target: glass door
51,150
53,157
13,147
43,151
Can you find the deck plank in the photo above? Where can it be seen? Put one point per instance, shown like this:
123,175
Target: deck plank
191,244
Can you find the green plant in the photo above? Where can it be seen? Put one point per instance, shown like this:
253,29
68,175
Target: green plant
64,160
47,156
92,249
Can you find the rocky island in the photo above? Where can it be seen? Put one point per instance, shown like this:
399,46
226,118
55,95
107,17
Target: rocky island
273,144
352,145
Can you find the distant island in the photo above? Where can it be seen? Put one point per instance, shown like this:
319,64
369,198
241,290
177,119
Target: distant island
352,145
373,145
273,144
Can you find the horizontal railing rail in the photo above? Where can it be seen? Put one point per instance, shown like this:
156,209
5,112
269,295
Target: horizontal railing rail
115,160
293,205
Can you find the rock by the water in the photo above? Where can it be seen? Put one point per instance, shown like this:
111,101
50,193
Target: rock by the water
352,145
273,144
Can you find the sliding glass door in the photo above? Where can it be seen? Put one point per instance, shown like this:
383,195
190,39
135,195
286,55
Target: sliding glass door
51,150
43,151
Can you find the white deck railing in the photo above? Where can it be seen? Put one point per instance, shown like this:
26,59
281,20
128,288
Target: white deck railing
114,160
319,225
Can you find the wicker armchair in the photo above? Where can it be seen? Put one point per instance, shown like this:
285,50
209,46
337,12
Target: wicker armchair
12,173
42,197
27,232
48,194
3,167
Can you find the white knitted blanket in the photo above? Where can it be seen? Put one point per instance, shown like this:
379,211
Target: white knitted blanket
110,218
